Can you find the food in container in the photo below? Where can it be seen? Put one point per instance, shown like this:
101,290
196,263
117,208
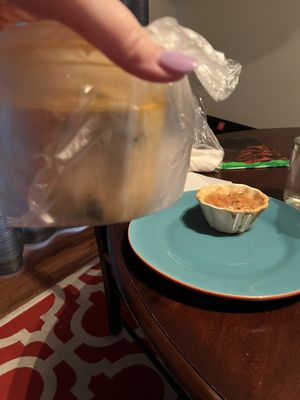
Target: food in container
81,141
84,143
231,208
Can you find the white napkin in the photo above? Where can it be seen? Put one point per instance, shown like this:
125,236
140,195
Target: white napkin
196,181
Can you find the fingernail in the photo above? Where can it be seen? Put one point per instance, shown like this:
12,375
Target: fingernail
176,61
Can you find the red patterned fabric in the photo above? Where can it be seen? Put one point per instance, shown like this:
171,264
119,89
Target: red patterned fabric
58,347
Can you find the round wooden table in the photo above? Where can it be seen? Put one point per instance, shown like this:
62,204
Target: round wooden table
217,348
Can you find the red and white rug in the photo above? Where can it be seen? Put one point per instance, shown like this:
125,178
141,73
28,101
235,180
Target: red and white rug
57,347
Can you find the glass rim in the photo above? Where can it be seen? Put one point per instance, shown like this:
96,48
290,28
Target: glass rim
297,140
297,143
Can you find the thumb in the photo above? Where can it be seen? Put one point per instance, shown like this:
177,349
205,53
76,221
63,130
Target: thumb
112,28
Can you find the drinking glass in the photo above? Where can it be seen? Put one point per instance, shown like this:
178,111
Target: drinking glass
291,192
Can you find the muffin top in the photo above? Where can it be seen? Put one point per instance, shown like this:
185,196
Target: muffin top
233,197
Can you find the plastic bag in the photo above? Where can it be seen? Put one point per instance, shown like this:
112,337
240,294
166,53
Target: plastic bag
81,141
207,154
218,75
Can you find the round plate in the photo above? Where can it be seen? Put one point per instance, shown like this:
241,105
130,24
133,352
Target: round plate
260,264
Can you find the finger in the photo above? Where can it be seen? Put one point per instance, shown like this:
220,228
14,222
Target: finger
112,28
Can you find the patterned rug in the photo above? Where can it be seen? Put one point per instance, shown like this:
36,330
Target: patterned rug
57,347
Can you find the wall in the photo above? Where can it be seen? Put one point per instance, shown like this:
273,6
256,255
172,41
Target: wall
264,36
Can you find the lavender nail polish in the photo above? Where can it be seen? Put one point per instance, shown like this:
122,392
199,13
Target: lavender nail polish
176,61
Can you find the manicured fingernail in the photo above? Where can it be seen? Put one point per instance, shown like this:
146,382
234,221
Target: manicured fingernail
176,61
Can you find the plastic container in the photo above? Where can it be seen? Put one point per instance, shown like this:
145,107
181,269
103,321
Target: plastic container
81,141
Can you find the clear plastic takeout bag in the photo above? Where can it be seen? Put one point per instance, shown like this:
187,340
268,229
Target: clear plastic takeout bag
81,141
216,73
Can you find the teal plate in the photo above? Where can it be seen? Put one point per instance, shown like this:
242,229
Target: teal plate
260,264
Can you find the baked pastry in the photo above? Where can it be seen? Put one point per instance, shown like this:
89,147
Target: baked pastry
231,208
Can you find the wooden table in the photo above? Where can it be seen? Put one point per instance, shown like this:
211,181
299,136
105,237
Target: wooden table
217,348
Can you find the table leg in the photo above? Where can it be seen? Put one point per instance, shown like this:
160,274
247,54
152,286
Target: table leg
112,296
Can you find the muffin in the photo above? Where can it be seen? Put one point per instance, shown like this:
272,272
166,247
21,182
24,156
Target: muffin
231,208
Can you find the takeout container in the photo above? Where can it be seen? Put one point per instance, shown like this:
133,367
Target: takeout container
81,141
231,208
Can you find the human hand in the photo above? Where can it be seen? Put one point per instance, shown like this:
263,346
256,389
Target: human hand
112,28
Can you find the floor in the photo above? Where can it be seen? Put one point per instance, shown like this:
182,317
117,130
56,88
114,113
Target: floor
54,338
45,264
